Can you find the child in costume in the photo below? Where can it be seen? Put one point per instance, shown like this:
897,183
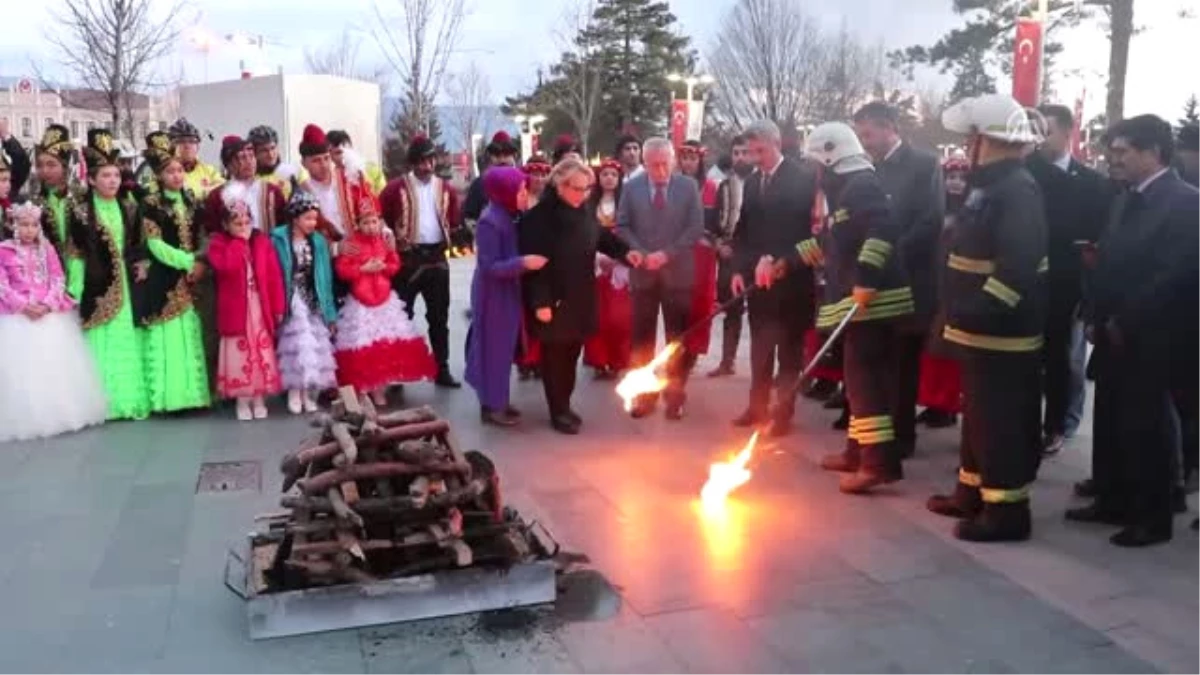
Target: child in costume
376,344
176,364
48,382
608,350
305,350
250,306
105,261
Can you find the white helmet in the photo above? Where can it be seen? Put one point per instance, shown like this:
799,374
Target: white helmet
997,116
835,145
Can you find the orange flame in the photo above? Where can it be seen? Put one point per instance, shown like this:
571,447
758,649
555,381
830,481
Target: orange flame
725,477
645,380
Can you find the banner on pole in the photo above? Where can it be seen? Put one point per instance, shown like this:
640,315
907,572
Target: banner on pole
679,121
1027,62
695,127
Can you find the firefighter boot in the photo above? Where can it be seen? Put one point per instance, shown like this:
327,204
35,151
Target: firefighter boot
878,465
845,461
1009,521
964,503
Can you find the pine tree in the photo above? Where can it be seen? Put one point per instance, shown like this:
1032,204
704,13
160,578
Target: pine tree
1191,112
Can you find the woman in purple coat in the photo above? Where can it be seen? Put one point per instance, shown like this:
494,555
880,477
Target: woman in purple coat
496,294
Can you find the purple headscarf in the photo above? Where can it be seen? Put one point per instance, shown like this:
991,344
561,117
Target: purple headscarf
501,185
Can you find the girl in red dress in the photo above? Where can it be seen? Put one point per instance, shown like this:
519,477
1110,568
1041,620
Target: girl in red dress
529,351
704,288
376,345
608,350
250,305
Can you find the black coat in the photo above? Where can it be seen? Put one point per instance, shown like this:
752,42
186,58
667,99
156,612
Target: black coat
913,182
569,238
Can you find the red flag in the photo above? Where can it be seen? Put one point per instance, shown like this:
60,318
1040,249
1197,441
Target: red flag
1027,62
679,121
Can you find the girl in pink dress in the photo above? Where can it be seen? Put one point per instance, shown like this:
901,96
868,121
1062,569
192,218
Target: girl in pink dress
250,305
49,383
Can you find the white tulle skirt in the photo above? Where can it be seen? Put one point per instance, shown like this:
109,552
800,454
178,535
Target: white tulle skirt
305,350
49,383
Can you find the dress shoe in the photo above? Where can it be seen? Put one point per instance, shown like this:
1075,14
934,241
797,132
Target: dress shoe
674,411
723,370
445,379
842,462
498,419
1096,513
1053,444
964,503
748,419
779,428
997,522
564,425
574,417
1138,536
1086,488
937,419
861,482
511,411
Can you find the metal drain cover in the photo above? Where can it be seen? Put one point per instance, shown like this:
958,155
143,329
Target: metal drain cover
229,477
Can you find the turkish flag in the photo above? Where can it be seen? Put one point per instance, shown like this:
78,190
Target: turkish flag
1027,62
679,121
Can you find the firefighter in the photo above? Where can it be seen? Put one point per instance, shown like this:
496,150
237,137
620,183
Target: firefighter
857,238
995,308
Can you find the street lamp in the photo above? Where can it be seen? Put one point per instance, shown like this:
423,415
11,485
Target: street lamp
691,81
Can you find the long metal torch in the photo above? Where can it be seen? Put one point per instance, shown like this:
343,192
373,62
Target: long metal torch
833,336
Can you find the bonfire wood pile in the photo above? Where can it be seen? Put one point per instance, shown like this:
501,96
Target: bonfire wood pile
384,495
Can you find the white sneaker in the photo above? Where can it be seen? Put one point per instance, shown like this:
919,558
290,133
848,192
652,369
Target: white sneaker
243,410
260,408
295,404
310,404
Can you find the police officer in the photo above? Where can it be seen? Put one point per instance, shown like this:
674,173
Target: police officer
995,308
857,242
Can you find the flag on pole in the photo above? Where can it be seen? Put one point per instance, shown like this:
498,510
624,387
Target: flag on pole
1027,62
679,121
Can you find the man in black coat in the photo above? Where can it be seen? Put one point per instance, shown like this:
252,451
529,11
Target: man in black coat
501,151
775,222
1142,314
912,179
1075,200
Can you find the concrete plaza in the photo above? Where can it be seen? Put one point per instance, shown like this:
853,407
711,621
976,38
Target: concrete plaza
111,561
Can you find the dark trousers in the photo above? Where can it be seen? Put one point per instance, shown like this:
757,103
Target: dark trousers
871,364
909,347
430,279
732,327
776,336
560,362
1056,364
675,305
1001,440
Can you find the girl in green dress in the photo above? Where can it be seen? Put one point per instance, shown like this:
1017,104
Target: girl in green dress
176,368
104,260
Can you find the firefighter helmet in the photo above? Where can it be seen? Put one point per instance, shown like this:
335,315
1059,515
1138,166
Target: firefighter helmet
835,145
996,116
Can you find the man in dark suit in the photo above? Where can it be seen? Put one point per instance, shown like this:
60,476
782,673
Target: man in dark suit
1142,314
661,216
913,182
1075,200
776,219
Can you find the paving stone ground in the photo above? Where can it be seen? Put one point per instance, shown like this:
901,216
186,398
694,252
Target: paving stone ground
111,561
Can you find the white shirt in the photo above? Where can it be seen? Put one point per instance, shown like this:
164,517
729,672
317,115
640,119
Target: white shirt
633,174
326,195
1064,162
429,227
1146,183
895,147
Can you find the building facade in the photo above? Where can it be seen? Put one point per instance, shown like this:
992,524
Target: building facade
30,108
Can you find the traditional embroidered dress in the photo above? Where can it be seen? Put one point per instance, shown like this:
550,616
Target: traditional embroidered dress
176,363
48,381
305,347
249,298
704,288
376,344
609,348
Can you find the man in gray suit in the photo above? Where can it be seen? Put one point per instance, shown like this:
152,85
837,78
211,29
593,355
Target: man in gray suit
660,215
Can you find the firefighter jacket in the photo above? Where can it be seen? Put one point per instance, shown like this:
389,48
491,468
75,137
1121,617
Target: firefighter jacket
996,271
858,240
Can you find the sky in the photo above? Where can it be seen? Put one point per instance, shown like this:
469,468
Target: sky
509,42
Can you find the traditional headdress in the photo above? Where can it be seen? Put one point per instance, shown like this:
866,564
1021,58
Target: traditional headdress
101,151
27,209
301,203
313,142
235,199
262,135
183,130
956,164
56,142
158,151
564,144
610,163
502,144
367,206
231,146
537,166
420,148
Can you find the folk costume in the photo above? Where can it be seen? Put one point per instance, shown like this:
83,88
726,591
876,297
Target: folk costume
344,156
266,200
376,343
529,349
422,212
102,251
721,231
250,305
176,365
608,350
305,348
339,196
476,201
48,381
56,203
282,175
199,177
704,289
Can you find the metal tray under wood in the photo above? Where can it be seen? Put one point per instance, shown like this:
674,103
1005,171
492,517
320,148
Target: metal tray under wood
424,596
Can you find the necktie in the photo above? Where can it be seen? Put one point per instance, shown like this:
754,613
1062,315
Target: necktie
766,181
660,197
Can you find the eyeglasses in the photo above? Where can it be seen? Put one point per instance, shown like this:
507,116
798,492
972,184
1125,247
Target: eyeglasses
574,187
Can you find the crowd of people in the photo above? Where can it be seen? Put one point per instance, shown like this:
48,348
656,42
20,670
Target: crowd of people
968,286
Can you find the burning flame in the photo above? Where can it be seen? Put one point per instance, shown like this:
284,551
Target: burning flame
645,380
725,477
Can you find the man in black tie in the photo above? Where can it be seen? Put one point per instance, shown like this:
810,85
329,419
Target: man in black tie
1142,315
776,218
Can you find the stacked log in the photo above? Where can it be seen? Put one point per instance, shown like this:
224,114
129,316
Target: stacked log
380,495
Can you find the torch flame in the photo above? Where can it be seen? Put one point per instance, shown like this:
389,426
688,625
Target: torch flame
644,380
725,477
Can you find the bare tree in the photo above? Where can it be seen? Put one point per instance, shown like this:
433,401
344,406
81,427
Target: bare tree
417,46
850,75
340,58
470,97
112,47
575,89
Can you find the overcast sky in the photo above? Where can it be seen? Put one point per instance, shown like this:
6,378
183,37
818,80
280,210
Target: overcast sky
509,41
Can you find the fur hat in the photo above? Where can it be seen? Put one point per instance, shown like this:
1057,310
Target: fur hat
56,142
262,135
101,150
502,144
313,142
420,148
230,146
